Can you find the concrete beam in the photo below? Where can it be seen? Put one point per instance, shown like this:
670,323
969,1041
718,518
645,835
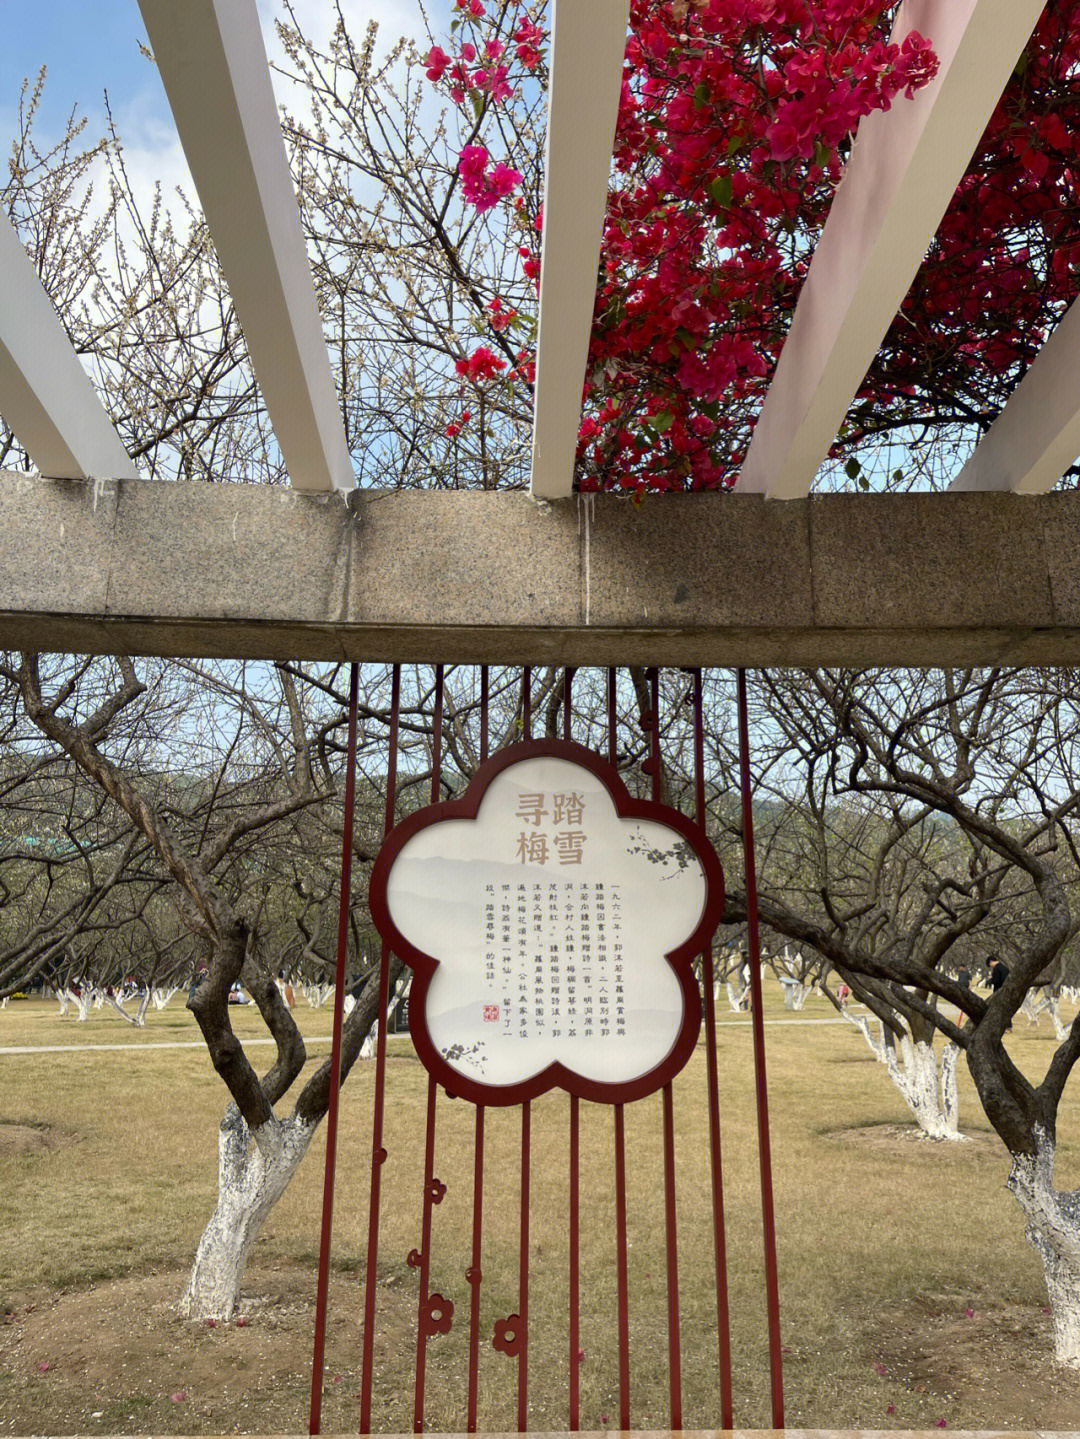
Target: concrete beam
711,579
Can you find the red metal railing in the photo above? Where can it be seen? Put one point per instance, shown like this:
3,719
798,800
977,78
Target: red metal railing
378,1150
474,1274
768,1218
517,1325
344,906
431,1192
723,1318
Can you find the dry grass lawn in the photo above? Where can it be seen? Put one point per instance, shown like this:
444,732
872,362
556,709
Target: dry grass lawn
107,1174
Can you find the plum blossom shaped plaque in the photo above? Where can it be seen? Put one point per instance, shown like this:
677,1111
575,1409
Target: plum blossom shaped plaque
551,921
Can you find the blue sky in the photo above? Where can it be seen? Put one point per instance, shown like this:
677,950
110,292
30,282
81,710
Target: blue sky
92,46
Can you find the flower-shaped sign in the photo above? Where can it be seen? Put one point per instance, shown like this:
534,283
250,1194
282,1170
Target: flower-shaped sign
552,922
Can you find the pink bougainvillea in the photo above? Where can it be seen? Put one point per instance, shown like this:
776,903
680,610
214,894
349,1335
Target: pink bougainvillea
482,364
735,121
481,187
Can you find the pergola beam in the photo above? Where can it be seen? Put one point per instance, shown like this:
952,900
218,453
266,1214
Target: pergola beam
1037,435
45,394
718,579
903,170
213,63
588,47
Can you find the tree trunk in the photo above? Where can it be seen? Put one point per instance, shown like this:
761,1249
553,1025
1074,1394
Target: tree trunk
913,1068
253,1173
950,1103
1054,1007
367,1049
735,998
1053,1227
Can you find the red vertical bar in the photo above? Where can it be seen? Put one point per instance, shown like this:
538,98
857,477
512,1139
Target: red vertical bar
674,1350
315,1414
526,1146
483,713
436,738
622,1269
429,1135
768,1217
723,1317
474,1275
523,1272
378,1153
622,1265
575,1266
425,1261
711,1062
670,1211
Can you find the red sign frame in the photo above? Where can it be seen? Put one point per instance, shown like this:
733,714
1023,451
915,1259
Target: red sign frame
424,966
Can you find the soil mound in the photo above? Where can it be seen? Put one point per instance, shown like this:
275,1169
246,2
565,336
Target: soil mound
19,1139
908,1137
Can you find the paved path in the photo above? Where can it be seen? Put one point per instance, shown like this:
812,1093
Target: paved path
312,1039
145,1044
721,1022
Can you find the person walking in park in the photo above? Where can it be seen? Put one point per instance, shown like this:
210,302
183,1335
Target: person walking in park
999,973
963,979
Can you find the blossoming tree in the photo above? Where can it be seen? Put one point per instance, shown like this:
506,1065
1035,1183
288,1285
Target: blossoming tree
735,121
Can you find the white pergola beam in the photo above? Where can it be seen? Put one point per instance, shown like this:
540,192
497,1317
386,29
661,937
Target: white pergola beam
904,168
213,63
1037,435
588,46
45,394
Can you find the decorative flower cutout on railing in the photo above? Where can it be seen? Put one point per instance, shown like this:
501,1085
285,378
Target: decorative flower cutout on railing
552,922
437,1191
509,1335
414,1259
438,1315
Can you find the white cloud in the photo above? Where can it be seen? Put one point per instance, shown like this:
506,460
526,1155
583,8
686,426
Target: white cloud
437,891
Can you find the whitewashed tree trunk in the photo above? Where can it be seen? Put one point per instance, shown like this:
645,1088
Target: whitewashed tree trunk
1053,1227
1053,1008
98,997
367,1049
138,1019
83,1000
912,1065
253,1173
950,1101
317,994
63,999
734,998
161,997
1035,1006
